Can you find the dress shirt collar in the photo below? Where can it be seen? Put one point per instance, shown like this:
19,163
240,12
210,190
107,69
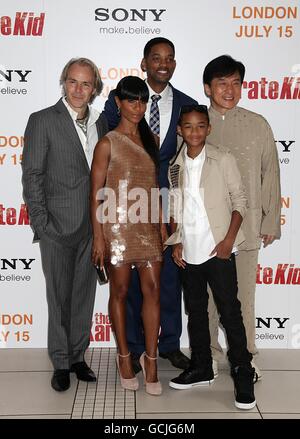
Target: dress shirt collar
194,162
228,115
94,114
164,94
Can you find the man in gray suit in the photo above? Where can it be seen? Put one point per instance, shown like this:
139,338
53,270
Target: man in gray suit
58,151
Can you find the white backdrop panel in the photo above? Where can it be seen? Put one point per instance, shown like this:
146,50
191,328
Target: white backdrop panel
113,35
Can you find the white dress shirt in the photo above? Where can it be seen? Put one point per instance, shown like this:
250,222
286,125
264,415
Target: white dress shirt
198,241
165,105
88,142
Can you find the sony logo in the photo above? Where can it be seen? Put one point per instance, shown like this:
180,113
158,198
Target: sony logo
267,321
121,14
13,264
9,75
286,144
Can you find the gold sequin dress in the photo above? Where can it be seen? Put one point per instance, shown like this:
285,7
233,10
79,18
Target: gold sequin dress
131,205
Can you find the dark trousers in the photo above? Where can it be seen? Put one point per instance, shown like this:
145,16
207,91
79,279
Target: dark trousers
170,309
221,276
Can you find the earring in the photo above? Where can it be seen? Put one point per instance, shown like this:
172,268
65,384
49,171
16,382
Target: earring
119,111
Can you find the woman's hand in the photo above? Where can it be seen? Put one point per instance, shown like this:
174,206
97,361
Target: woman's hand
98,251
177,255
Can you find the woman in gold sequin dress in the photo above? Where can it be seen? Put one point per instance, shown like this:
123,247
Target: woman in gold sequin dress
127,226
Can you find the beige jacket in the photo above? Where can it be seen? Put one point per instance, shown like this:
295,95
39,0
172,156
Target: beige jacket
249,138
220,187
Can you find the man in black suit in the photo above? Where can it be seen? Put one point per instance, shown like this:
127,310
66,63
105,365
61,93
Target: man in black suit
58,150
159,64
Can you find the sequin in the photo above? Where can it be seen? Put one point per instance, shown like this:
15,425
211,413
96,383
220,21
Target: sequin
136,243
115,228
114,260
122,214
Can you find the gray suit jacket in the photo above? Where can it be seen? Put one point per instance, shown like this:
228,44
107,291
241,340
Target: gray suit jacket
56,175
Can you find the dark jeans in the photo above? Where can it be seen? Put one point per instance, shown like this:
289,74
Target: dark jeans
221,276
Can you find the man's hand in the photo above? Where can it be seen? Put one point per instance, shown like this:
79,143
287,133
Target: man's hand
267,239
164,235
223,250
177,255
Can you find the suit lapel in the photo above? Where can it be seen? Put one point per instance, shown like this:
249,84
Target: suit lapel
102,126
177,169
174,118
181,177
210,154
205,172
69,128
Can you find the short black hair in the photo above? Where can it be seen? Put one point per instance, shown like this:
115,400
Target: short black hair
223,65
157,40
185,109
132,87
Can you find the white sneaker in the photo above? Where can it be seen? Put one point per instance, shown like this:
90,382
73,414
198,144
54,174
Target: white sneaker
258,374
215,368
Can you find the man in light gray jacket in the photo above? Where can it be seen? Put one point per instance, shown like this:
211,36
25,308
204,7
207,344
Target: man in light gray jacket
58,150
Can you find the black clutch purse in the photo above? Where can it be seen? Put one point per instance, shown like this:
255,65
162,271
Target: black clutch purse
102,274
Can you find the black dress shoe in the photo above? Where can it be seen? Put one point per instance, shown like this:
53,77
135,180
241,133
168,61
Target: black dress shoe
135,358
60,380
177,359
83,372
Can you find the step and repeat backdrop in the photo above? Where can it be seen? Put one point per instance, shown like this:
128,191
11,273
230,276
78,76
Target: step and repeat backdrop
38,37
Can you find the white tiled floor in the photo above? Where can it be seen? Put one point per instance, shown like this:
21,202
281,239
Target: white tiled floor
26,392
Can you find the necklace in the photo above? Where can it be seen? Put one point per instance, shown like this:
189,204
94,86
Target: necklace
82,123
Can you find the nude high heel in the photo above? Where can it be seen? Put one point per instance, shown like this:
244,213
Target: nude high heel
127,383
151,388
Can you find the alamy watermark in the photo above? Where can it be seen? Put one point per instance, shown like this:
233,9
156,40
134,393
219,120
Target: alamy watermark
137,205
